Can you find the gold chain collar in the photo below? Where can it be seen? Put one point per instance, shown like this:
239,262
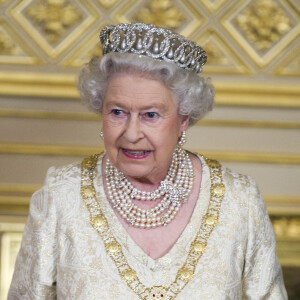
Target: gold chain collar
114,249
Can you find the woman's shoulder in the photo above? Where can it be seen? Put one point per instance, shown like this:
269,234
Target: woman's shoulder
238,180
242,189
61,190
231,178
63,175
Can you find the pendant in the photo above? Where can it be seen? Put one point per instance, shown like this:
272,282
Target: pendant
157,292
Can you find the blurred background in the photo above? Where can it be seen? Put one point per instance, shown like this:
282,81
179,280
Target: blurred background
253,49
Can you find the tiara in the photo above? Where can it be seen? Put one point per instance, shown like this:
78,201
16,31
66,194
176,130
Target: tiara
154,42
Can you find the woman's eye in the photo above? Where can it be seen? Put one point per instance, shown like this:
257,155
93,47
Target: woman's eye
116,112
151,115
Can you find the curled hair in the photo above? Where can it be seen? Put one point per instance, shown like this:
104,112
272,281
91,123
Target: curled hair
192,94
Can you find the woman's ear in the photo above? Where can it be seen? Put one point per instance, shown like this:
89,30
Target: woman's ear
184,123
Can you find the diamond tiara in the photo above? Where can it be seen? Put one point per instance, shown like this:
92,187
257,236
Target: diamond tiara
154,42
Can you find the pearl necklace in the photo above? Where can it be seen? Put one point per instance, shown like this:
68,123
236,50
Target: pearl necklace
173,190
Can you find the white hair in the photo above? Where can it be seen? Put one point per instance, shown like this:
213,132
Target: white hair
193,94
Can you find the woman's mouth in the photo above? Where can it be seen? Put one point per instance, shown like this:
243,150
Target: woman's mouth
135,154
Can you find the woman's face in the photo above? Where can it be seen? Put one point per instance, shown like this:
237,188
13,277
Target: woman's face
141,126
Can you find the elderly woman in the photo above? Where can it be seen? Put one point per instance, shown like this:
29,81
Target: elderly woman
147,219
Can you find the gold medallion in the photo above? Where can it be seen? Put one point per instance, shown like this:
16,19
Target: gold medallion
88,163
129,275
88,191
113,248
198,247
99,221
185,274
218,189
213,163
211,220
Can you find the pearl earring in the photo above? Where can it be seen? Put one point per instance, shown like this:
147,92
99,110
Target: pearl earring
101,135
182,139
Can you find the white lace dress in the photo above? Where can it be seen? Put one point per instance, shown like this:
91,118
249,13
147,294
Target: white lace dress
63,257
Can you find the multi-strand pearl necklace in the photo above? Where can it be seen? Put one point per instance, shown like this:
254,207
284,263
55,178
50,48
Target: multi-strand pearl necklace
173,190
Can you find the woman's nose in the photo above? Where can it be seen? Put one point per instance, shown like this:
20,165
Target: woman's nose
133,131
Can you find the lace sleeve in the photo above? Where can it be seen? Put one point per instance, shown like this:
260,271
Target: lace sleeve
35,270
262,277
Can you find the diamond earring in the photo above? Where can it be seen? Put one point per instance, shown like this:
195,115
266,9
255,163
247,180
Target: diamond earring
182,139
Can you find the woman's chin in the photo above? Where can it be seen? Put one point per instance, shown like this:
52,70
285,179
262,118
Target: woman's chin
135,171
